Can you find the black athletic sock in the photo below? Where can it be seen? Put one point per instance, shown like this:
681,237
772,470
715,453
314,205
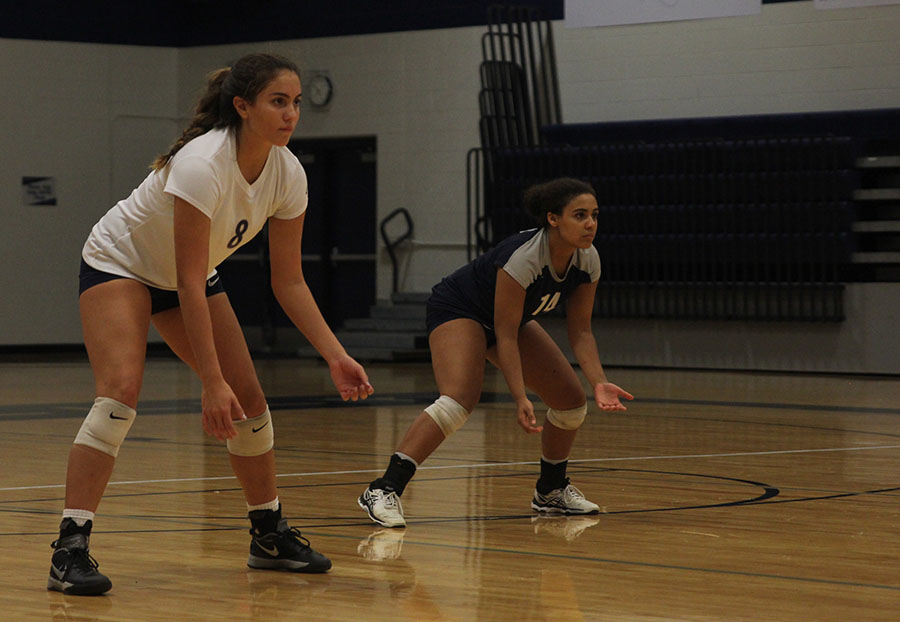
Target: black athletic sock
265,521
553,476
397,475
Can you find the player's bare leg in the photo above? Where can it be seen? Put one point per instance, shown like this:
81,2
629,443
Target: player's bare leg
274,545
457,353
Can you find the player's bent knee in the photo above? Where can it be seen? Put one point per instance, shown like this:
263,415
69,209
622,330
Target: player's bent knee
255,436
449,414
567,419
106,426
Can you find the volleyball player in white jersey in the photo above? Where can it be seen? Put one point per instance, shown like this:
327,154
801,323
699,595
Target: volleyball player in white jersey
152,258
488,310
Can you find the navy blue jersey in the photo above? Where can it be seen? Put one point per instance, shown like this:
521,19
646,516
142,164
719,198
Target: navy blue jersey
525,256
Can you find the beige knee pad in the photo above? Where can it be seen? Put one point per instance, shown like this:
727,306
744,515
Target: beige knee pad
567,419
449,414
106,426
255,436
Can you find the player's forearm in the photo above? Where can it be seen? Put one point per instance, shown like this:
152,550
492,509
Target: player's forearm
584,346
511,366
198,326
298,303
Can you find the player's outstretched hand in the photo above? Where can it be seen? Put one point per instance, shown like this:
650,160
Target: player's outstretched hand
220,408
609,396
350,379
526,418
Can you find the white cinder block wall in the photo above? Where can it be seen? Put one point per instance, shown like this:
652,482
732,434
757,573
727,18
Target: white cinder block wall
789,58
94,115
91,116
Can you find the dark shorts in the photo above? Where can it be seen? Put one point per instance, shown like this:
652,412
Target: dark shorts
160,299
435,315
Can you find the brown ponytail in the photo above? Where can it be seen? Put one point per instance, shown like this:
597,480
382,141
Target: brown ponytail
206,116
215,109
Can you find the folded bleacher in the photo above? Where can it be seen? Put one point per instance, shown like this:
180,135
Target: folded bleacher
723,218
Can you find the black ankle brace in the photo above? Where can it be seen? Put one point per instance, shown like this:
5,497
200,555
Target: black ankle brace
553,476
397,475
68,527
265,521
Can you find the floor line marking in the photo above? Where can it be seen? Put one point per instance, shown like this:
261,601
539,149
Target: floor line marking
481,465
628,562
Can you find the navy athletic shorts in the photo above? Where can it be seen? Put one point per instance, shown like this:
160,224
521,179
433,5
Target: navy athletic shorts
435,315
160,299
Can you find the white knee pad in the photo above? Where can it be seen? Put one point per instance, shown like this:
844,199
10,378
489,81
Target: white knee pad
255,436
106,426
448,414
567,419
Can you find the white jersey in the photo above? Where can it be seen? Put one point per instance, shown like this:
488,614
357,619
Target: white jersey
136,238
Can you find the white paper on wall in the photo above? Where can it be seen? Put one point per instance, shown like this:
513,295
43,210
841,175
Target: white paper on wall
588,13
845,4
39,190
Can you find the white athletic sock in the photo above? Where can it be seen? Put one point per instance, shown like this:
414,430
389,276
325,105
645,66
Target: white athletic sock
270,505
549,461
79,516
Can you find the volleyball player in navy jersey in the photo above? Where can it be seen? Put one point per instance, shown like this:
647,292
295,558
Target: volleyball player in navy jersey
488,310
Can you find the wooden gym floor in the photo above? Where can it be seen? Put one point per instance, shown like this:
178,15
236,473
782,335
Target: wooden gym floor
725,496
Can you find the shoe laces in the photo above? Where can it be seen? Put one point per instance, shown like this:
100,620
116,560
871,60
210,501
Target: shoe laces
290,536
79,558
573,492
293,534
284,533
391,500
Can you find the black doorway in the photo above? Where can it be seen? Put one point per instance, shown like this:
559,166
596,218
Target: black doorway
339,233
338,244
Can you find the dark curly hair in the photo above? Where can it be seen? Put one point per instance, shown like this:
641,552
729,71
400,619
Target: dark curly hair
553,196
